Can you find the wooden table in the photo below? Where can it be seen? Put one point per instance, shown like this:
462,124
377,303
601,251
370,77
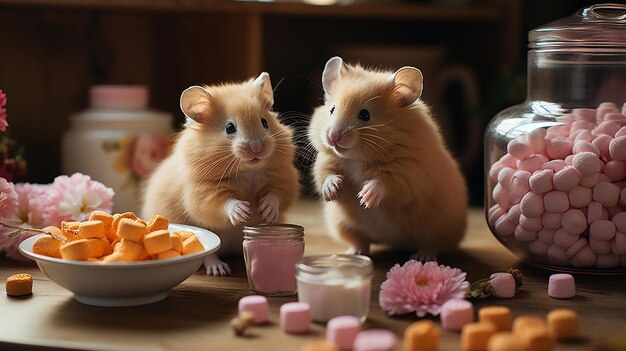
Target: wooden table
197,313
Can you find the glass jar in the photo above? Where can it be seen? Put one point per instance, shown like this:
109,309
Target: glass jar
118,141
271,252
335,285
555,164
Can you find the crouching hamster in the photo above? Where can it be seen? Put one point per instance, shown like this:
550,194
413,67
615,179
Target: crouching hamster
231,165
382,166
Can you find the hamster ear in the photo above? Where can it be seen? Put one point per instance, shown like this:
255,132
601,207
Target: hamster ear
332,71
263,82
195,102
407,85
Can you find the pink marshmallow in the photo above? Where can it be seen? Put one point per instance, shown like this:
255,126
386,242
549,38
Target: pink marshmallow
603,178
537,140
563,239
617,148
557,255
494,171
509,161
590,181
604,110
375,340
566,179
574,221
504,226
620,222
504,177
561,286
532,204
581,135
502,196
503,285
602,230
585,146
594,212
613,117
554,165
578,125
494,214
520,185
257,305
615,170
532,224
341,331
602,143
600,246
580,197
568,160
606,127
575,247
556,201
295,317
619,244
532,162
551,220
558,148
541,181
538,248
607,261
585,257
587,163
546,236
584,114
522,234
606,193
621,132
455,313
615,210
519,149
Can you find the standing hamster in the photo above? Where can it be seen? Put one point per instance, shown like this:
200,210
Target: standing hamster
382,166
231,165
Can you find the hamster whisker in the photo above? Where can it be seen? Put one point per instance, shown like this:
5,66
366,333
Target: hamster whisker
311,80
224,173
380,125
211,166
277,85
376,147
377,137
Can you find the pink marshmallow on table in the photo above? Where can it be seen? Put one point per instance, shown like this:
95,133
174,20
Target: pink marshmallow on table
594,212
606,127
532,204
538,248
554,165
519,149
522,234
620,222
575,247
561,286
587,163
585,257
557,255
580,197
563,239
531,224
606,193
574,221
607,261
456,313
585,146
257,305
502,285
600,246
504,177
602,143
341,331
295,317
621,132
556,201
502,196
617,148
590,181
541,181
375,340
546,236
532,162
566,179
615,170
584,114
618,245
602,230
558,148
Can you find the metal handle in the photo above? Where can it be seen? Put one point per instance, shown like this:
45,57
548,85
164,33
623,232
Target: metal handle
605,12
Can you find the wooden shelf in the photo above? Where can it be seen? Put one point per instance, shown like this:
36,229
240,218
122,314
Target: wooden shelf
487,12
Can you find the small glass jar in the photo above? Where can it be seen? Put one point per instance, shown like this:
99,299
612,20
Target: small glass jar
271,252
556,163
335,285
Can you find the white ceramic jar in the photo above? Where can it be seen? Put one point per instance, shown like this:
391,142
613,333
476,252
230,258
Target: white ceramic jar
118,141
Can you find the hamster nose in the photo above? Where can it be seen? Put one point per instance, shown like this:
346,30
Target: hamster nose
255,147
334,136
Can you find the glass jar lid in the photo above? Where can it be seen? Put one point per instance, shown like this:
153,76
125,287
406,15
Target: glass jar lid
596,26
273,230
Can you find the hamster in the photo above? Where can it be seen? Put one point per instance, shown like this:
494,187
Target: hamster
231,165
382,166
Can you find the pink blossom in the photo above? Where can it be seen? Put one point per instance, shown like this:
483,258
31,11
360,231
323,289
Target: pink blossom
3,112
11,245
8,199
31,200
74,198
421,288
147,152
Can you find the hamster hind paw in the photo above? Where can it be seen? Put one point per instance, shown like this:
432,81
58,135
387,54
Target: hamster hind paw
424,256
215,267
238,211
269,208
332,185
371,194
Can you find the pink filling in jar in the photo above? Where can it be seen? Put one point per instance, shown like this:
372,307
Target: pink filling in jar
271,252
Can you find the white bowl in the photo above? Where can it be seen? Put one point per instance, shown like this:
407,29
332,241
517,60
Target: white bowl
117,284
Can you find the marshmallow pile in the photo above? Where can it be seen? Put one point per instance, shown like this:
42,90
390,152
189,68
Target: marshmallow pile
560,192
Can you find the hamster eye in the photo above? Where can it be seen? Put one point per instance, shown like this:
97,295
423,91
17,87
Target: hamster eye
230,128
264,123
332,109
364,115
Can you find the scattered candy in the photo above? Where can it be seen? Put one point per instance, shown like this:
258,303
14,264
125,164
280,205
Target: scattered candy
19,284
242,322
257,305
341,331
475,336
295,317
505,341
502,285
318,346
563,324
499,316
421,336
376,340
455,313
561,286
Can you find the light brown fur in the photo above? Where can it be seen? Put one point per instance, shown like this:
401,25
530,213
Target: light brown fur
424,204
207,167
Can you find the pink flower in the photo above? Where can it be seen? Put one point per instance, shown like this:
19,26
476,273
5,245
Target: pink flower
74,198
31,198
8,199
421,288
3,112
148,151
11,245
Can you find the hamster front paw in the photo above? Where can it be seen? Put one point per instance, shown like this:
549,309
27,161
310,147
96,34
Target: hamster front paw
371,194
332,185
269,207
238,211
215,267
